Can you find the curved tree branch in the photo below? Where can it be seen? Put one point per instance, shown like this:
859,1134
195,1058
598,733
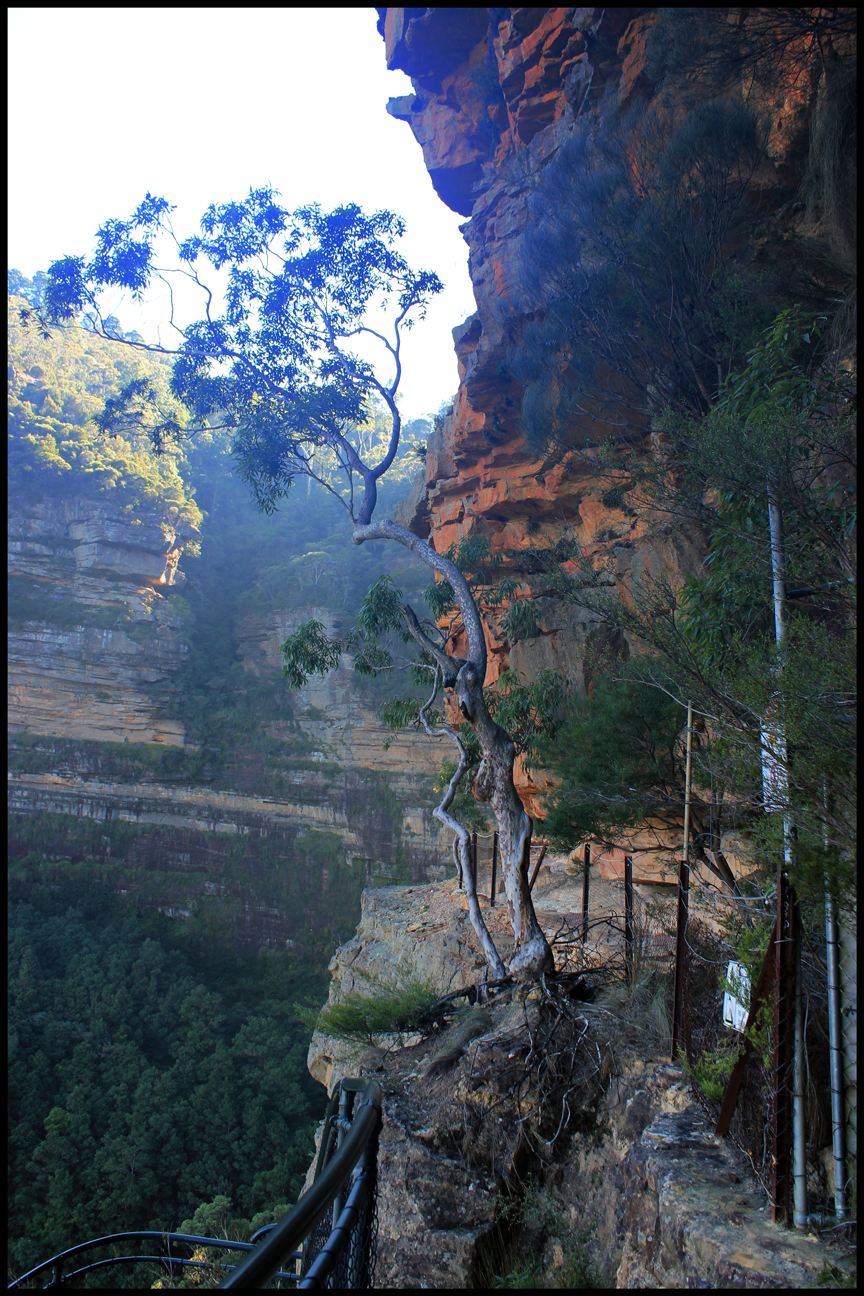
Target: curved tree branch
461,839
388,530
449,666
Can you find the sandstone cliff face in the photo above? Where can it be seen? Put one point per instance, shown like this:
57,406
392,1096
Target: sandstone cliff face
497,92
106,671
98,639
333,712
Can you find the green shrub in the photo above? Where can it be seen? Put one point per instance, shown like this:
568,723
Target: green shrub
521,621
502,1264
395,1008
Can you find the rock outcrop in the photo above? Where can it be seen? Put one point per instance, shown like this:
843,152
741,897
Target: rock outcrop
497,92
95,642
630,1185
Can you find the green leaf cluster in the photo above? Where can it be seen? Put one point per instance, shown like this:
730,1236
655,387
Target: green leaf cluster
135,1092
401,712
530,712
746,934
308,651
58,387
618,756
521,621
275,367
391,1007
464,807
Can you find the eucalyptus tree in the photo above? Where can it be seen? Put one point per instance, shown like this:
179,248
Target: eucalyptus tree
279,366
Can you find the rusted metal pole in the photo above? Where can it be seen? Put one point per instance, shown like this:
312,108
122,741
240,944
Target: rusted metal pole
628,916
680,955
683,901
585,895
784,1046
474,858
494,869
543,850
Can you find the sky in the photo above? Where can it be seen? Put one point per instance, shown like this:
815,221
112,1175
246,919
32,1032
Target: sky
199,105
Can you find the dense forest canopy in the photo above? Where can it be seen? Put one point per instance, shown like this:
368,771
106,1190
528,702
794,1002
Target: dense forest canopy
56,386
152,1074
140,1090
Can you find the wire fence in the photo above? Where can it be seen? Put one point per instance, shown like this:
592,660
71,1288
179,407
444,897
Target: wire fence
755,1105
749,1075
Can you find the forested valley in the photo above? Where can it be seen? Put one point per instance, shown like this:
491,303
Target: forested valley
148,1088
157,1073
642,518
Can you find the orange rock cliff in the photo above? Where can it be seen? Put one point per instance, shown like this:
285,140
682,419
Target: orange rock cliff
497,92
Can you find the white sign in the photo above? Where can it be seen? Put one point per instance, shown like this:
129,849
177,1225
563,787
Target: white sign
736,1003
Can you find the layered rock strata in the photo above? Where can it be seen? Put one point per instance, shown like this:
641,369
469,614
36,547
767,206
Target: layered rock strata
98,637
95,643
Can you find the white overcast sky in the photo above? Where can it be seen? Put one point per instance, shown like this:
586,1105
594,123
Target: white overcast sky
197,105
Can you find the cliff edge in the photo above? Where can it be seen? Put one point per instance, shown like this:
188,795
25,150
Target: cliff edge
543,1126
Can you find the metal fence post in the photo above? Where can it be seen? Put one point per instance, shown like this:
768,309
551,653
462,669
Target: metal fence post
784,1023
494,868
683,899
585,895
628,916
835,1035
346,1102
474,859
540,857
680,954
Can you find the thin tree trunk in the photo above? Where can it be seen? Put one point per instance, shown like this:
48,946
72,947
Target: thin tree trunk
494,783
461,841
494,780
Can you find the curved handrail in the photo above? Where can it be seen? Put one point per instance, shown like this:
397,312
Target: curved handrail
259,1267
113,1239
356,1156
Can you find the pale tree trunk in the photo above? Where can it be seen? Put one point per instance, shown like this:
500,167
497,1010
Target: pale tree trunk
494,780
461,840
494,783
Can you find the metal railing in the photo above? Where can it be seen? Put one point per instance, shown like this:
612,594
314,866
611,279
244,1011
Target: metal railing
332,1238
57,1264
343,1250
535,845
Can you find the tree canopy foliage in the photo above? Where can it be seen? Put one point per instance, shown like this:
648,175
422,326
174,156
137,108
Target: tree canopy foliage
273,367
782,431
277,368
137,1092
57,387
